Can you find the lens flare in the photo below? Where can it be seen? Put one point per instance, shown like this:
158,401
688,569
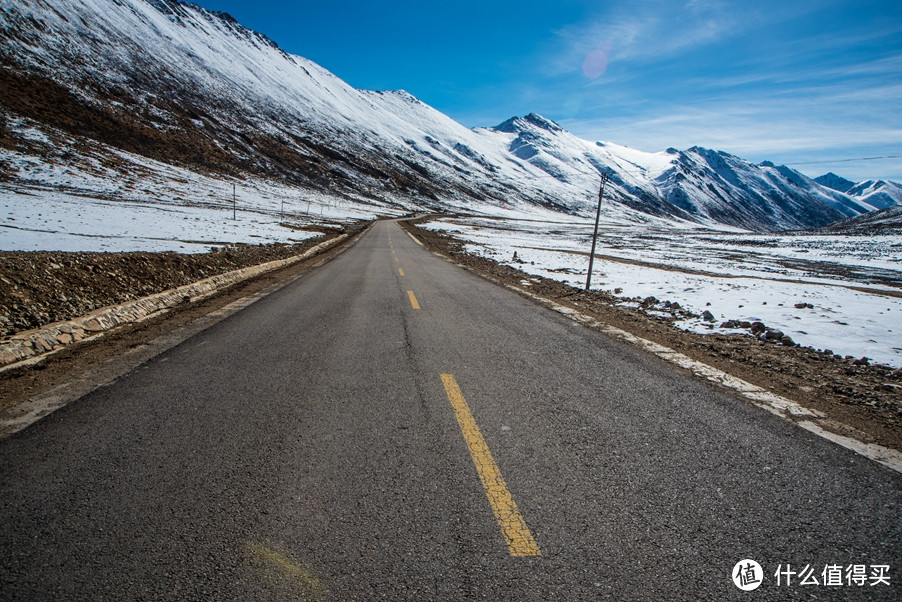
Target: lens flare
596,62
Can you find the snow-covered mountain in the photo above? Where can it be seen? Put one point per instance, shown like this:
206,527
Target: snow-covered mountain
877,193
87,84
831,180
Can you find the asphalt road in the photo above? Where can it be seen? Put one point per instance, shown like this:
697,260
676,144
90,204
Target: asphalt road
391,426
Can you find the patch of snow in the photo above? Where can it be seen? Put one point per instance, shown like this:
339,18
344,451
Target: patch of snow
857,310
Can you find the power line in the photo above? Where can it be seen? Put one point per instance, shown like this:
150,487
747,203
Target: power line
846,160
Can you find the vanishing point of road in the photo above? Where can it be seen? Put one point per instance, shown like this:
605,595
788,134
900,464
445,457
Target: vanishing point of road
391,426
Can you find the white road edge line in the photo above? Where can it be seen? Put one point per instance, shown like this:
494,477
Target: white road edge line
415,239
776,404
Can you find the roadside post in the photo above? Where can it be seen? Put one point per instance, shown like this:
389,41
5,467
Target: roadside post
604,179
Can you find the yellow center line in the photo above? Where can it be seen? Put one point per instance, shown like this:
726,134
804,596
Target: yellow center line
400,272
413,300
519,539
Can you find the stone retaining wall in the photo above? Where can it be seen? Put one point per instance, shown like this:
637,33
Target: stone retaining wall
31,345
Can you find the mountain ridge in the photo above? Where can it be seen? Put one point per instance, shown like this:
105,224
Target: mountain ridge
180,84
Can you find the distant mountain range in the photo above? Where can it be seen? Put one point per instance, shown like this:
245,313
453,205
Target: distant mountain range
81,79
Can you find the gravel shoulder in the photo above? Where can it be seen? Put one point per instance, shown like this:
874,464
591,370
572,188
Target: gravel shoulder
860,401
42,287
42,294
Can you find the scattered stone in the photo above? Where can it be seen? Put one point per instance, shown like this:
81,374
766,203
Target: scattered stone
804,306
772,334
731,324
757,327
708,316
93,325
618,290
862,361
787,341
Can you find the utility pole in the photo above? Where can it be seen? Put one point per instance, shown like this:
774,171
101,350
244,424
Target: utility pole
234,202
604,179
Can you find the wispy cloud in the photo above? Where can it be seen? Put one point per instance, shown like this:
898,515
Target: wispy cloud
782,81
644,32
755,131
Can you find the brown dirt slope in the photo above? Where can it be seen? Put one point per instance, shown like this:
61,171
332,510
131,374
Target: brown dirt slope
38,288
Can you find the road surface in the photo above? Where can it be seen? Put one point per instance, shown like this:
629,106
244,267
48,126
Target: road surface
391,426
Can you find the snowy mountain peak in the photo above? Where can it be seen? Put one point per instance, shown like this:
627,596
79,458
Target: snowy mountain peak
194,89
877,193
831,180
516,125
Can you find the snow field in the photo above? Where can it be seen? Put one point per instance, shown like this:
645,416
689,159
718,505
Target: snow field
692,269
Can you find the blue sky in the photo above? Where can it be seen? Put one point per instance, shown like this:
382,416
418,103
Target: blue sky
793,81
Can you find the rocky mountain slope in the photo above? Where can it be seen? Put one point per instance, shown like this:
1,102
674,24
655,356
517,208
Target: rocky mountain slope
882,222
86,85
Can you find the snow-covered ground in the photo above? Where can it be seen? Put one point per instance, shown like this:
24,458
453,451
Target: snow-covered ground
853,283
110,200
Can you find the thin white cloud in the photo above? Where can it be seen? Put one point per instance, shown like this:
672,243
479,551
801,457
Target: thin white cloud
644,32
831,93
757,134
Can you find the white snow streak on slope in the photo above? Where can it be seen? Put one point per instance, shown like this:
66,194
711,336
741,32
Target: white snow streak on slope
750,287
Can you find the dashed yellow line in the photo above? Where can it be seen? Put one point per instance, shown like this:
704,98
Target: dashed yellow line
400,272
520,541
413,300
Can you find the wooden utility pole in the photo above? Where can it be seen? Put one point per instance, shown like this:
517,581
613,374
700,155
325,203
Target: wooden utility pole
604,179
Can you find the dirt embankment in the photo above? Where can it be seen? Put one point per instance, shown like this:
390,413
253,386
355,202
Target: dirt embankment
865,399
87,360
38,288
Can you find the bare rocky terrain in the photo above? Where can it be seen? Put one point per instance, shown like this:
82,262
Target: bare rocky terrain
39,288
862,400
